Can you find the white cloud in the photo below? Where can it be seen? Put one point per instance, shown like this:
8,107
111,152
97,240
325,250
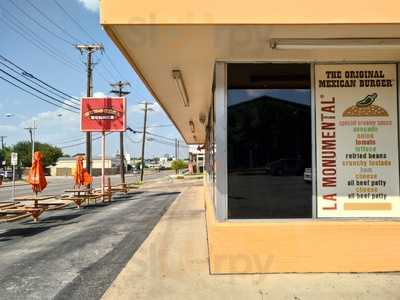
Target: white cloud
54,126
92,5
8,129
99,95
137,108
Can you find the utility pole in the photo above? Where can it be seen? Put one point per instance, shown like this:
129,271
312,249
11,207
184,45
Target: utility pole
32,136
118,90
2,137
176,150
146,108
89,50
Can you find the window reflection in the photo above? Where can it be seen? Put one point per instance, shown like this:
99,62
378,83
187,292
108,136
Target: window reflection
269,148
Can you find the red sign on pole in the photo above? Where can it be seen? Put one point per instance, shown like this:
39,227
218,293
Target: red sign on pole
103,114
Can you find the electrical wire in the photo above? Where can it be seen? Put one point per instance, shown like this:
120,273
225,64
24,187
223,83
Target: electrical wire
26,91
155,126
86,32
38,44
132,141
83,143
71,141
73,19
168,143
15,20
108,58
162,137
28,74
70,43
40,25
40,85
53,22
35,89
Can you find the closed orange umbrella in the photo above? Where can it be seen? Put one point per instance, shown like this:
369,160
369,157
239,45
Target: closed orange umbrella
36,175
81,176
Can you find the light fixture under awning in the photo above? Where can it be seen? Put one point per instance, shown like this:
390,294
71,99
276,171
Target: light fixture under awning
334,43
180,85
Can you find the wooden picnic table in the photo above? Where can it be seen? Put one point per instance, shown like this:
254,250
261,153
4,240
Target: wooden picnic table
35,199
38,205
81,195
79,191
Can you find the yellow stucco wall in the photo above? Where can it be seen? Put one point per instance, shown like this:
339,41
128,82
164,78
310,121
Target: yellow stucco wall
301,246
249,12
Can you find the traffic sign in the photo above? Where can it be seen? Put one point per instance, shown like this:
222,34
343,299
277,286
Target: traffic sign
14,158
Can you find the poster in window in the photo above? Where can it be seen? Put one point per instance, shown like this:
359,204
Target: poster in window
357,140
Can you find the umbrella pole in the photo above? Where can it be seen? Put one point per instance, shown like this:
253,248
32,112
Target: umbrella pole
36,201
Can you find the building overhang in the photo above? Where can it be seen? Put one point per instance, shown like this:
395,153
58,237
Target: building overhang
158,37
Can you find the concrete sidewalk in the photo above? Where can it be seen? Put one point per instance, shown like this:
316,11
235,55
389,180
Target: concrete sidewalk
173,264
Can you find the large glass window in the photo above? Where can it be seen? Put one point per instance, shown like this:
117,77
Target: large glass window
269,141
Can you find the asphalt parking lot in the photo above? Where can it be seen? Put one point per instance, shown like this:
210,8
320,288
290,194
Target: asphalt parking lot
77,253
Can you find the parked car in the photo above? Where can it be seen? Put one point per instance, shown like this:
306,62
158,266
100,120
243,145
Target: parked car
6,175
308,175
285,167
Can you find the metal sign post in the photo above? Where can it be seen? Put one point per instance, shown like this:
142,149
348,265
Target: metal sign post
14,162
103,162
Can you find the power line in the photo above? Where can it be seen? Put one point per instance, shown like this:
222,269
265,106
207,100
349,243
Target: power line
70,141
159,126
73,20
68,42
52,22
168,143
36,83
163,137
113,65
83,143
155,126
132,141
40,25
35,89
26,91
39,39
83,30
90,37
38,44
30,75
150,133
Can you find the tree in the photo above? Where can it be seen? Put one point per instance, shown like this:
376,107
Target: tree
178,165
4,153
24,149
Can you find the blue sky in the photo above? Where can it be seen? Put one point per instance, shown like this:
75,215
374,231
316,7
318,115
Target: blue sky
55,125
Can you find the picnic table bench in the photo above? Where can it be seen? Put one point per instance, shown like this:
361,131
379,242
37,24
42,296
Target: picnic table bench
9,213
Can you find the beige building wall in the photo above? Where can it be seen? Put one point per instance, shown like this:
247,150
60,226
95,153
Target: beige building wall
158,36
249,12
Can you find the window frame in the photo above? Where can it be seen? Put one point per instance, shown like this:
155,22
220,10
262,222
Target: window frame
220,136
